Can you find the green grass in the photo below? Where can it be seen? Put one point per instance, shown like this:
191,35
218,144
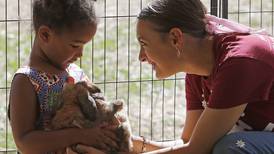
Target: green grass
6,140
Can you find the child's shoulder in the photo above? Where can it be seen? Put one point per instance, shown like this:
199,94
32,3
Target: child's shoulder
27,70
32,72
23,70
72,70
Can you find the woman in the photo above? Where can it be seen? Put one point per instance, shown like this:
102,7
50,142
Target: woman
229,81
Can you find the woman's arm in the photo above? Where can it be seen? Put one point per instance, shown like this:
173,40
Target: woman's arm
23,116
141,144
191,120
192,116
211,126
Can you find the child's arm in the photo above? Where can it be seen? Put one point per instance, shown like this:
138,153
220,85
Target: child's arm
23,114
85,149
192,117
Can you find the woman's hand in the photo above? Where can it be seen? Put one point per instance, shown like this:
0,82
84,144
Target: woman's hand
100,137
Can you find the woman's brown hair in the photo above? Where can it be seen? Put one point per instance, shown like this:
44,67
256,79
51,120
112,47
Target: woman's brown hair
188,15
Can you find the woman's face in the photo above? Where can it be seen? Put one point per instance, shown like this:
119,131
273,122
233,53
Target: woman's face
157,49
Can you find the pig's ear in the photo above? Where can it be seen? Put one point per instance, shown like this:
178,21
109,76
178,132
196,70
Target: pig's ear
92,88
117,105
87,105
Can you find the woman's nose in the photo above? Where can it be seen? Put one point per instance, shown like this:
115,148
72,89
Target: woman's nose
142,55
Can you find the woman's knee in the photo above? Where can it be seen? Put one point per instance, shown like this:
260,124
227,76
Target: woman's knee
229,144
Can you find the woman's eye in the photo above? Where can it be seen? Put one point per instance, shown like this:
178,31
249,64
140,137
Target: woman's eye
142,44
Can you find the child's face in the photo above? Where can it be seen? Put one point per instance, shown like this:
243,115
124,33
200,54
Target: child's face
66,47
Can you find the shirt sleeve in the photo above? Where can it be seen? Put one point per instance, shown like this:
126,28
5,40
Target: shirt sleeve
193,92
77,73
239,81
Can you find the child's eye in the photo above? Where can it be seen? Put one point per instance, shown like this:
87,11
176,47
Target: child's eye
75,46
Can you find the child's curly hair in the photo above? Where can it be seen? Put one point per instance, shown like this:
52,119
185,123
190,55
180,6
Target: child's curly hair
63,14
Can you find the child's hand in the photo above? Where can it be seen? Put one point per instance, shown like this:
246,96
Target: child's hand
88,149
70,151
102,138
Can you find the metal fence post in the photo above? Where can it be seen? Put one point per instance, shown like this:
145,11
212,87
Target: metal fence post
214,7
219,8
225,9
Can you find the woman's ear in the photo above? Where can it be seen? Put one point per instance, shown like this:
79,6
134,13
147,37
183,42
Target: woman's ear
44,34
176,37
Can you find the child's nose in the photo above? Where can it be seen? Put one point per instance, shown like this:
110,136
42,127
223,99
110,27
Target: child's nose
79,53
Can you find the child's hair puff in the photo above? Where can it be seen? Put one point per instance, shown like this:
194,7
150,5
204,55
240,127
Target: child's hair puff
63,14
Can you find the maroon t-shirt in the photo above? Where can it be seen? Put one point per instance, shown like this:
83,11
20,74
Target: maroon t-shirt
243,73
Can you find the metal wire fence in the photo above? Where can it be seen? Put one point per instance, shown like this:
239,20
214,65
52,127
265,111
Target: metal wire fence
156,108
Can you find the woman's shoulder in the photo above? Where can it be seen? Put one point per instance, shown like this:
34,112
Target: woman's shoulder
193,76
193,79
243,41
245,46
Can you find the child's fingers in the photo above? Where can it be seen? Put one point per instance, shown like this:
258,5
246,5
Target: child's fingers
109,141
70,151
104,146
111,135
111,127
103,125
89,150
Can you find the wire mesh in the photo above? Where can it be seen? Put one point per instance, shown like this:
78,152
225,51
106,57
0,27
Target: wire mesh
156,108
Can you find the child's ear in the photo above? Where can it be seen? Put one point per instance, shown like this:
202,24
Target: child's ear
44,33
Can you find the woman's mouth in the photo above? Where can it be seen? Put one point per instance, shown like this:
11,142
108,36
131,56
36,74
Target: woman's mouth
153,66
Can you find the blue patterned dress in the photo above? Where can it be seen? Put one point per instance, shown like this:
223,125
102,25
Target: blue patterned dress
48,88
